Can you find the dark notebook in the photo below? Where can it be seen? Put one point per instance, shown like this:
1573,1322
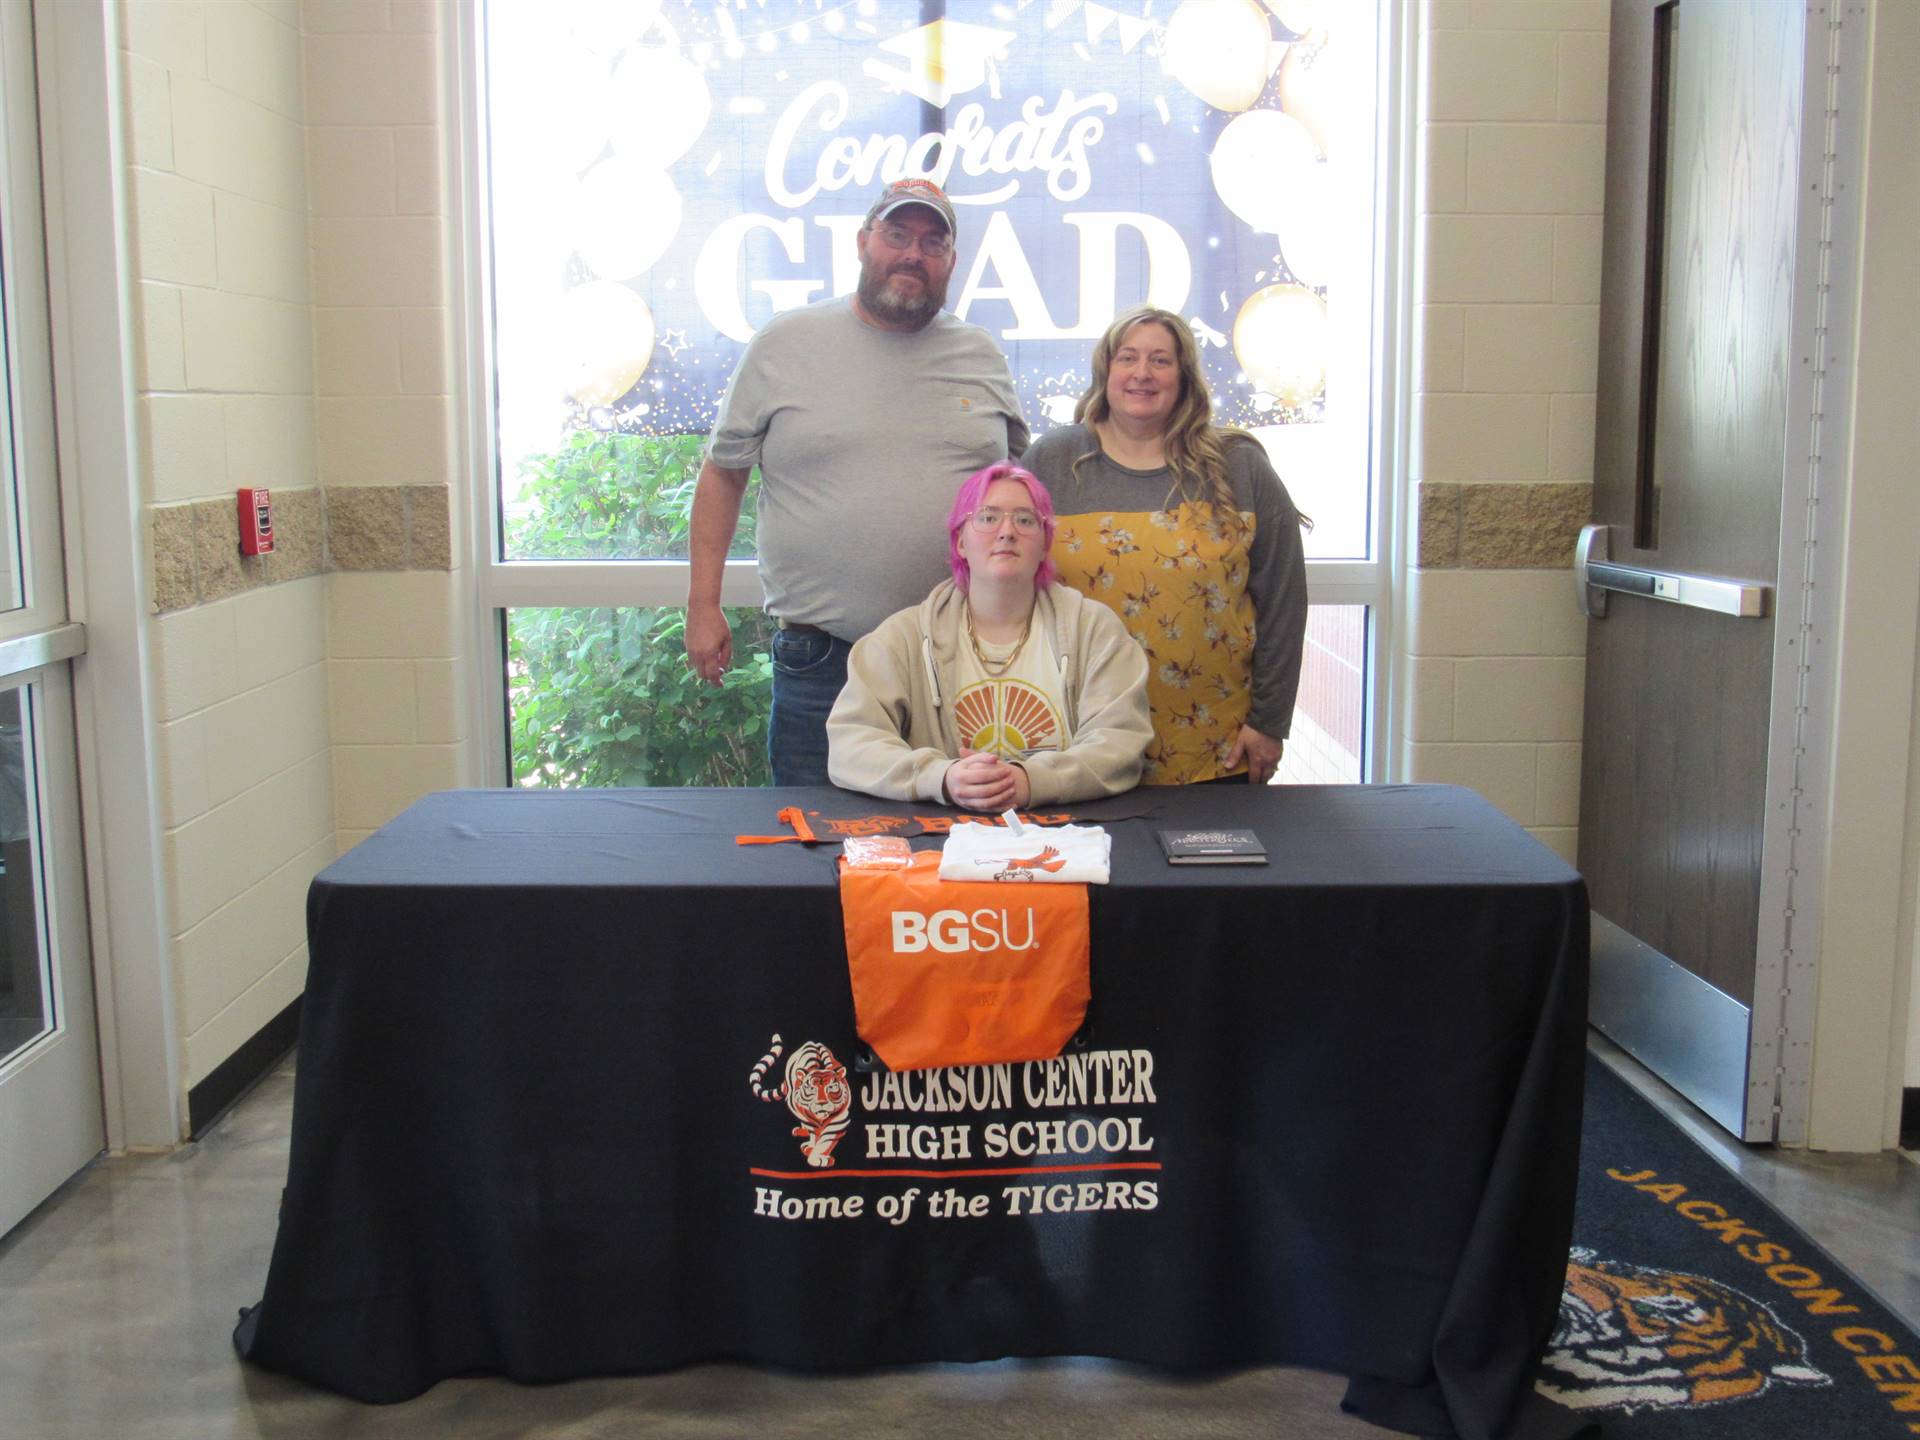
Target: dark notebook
1212,847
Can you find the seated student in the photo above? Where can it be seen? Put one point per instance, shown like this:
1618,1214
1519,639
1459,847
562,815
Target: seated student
1000,689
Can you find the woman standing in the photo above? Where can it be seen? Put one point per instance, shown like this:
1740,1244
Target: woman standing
1184,530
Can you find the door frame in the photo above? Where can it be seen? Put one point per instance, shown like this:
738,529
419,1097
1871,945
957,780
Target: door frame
92,291
1847,1014
1794,878
50,1108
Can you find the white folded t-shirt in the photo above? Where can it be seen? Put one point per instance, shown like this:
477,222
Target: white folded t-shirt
1054,854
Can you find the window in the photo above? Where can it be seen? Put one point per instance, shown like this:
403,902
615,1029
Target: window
658,180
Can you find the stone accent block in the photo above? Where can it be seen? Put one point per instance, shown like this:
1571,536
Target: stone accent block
429,532
299,535
1439,547
174,587
1521,527
196,555
367,527
220,567
1501,527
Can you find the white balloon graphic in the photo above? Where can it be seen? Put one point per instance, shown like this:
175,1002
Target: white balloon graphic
1280,340
659,106
1258,162
603,341
1307,228
1308,87
1218,50
625,217
560,120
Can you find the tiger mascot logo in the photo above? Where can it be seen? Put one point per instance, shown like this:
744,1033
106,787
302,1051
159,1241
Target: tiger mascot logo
1632,1339
817,1093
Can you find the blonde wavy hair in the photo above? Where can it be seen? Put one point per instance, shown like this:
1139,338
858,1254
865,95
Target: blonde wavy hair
1196,447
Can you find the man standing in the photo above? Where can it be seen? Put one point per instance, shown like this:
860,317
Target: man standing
864,414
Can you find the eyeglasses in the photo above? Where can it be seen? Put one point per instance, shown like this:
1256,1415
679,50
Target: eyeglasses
987,520
898,237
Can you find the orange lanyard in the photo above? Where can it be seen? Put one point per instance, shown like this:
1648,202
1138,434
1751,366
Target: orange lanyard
792,815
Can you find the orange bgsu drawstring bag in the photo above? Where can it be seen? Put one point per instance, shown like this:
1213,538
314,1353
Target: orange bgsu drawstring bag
949,973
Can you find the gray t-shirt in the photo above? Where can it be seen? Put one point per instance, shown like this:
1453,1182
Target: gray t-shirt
862,437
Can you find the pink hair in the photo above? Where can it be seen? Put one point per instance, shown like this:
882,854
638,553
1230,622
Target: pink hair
973,490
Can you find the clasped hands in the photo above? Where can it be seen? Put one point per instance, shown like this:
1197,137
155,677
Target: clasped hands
981,780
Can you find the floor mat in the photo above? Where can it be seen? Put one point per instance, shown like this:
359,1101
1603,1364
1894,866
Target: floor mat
1695,1311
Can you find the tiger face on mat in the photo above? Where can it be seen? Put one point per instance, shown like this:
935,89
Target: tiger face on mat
1631,1339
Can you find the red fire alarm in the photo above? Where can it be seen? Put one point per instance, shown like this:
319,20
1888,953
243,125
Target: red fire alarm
256,522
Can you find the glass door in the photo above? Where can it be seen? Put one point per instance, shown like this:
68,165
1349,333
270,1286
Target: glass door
50,1114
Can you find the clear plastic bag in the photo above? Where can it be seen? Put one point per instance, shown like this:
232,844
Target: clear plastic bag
876,852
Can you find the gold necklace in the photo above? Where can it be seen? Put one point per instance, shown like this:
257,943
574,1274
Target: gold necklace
996,667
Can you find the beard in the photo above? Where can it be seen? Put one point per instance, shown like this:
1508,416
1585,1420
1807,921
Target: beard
886,305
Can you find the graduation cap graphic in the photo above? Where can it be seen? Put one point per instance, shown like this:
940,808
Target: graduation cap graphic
944,59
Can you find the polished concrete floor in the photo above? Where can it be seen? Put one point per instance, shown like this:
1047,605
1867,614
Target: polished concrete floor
117,1297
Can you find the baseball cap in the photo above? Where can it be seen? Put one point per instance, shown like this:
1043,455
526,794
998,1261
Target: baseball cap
914,190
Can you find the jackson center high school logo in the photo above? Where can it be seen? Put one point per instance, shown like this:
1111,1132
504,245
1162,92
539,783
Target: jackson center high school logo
1063,1136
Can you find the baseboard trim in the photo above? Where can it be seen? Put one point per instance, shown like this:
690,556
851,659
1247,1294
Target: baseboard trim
242,1070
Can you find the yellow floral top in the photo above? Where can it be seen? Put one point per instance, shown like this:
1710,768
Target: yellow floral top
1179,581
1220,609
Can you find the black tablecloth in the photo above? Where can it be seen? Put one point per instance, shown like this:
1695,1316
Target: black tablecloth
1326,1111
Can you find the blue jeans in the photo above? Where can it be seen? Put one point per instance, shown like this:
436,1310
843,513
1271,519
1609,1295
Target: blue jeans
809,668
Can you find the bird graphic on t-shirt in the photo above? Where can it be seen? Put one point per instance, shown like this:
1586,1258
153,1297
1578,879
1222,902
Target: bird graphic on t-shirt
1048,860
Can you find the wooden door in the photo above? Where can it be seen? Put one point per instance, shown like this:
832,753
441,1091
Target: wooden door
1697,308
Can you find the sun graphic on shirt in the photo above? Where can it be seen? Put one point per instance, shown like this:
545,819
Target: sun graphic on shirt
1006,717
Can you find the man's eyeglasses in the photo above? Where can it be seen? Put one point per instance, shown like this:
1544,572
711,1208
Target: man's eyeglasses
987,520
932,245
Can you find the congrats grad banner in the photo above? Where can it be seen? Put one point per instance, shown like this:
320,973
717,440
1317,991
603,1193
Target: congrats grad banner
667,176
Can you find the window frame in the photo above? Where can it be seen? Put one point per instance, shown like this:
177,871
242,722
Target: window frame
499,585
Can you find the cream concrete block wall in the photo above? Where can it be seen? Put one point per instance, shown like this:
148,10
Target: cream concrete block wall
220,246
1496,669
382,335
1511,153
395,670
243,748
224,374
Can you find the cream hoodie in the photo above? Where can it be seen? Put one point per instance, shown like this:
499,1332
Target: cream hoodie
891,732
